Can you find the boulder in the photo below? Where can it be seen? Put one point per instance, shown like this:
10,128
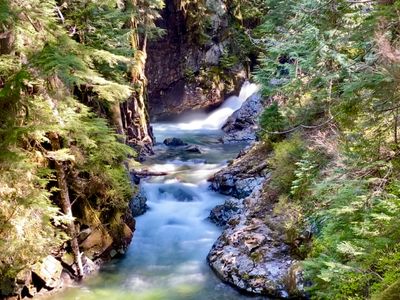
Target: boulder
49,271
96,243
250,256
68,259
89,266
174,142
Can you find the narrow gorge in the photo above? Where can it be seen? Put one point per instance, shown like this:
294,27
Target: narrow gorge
199,149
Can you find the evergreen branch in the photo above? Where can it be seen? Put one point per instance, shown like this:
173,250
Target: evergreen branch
297,127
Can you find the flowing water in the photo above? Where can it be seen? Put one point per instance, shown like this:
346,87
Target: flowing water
167,259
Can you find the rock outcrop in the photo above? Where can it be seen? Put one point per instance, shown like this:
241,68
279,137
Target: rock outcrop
184,73
242,124
251,254
243,175
222,214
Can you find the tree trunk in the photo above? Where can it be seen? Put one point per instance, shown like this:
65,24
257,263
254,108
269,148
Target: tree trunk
117,118
7,39
65,203
134,112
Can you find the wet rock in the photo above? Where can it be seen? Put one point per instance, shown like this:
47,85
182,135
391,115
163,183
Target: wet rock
230,184
174,142
192,149
49,271
222,214
138,204
242,124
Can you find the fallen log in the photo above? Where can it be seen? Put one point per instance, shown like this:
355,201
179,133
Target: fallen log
146,173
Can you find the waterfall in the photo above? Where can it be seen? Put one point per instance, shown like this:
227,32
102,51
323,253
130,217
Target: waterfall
217,118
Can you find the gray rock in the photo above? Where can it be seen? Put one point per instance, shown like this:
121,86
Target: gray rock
245,174
174,142
222,214
49,271
229,184
242,124
213,54
178,65
89,266
138,204
250,254
250,257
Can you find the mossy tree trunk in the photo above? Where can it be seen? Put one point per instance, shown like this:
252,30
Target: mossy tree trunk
65,203
134,112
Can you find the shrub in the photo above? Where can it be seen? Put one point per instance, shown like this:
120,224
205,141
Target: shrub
283,163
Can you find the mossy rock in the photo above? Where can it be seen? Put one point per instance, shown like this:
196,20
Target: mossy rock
96,243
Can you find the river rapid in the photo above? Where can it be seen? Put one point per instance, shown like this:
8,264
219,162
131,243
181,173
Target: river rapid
167,258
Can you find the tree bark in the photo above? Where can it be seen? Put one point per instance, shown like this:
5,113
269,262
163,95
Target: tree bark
65,203
134,112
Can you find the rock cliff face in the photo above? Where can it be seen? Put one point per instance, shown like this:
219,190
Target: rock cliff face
185,73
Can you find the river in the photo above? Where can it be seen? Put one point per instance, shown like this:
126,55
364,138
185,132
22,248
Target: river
167,258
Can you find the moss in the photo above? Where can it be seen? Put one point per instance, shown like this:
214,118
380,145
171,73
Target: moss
391,293
256,257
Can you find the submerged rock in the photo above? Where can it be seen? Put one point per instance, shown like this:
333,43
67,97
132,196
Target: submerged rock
193,149
178,193
174,142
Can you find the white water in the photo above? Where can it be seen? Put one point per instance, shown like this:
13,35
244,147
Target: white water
167,259
217,118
